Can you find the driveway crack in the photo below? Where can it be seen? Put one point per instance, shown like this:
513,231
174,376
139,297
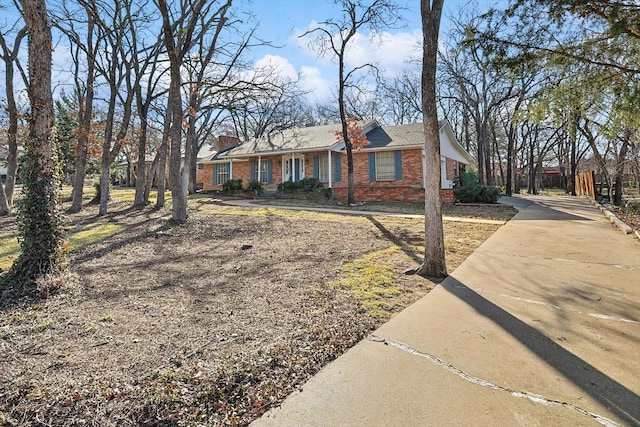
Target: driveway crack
535,398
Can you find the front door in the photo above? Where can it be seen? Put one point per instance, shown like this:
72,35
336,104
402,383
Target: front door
293,169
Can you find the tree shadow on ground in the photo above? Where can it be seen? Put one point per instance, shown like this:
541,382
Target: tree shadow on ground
396,240
620,400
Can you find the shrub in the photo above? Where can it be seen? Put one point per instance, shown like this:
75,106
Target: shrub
255,186
287,187
310,184
469,191
232,186
306,185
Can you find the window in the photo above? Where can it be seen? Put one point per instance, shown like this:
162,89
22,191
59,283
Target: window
321,168
262,171
385,166
221,173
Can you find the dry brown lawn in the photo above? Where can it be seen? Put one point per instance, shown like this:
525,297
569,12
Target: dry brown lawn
211,322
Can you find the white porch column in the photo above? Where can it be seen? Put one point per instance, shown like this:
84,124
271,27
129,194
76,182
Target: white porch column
292,174
230,170
330,168
259,168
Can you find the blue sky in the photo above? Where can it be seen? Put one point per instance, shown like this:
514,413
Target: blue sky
280,21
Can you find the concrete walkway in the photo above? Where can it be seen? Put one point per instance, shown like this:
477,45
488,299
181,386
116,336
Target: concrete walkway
247,203
538,327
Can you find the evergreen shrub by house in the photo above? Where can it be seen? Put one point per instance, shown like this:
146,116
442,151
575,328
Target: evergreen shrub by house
255,186
468,190
232,186
306,185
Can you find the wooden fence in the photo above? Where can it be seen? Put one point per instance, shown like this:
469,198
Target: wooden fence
586,184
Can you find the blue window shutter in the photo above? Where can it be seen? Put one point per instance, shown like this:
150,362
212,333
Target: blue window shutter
269,171
253,170
215,174
398,155
372,166
316,167
336,160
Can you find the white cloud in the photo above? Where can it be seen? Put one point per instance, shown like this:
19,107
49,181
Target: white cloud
278,64
390,52
319,88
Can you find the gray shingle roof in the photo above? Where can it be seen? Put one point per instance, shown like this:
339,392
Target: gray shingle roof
299,139
323,138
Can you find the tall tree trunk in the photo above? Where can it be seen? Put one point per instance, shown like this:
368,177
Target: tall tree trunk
141,163
85,116
161,170
510,156
571,182
39,217
9,56
532,171
488,158
351,199
434,264
620,161
178,193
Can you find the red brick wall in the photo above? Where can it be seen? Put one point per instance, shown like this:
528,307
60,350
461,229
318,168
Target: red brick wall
409,189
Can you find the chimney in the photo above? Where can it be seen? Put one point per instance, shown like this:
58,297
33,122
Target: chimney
227,141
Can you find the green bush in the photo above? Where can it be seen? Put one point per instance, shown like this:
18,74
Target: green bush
306,185
468,190
232,186
310,184
255,186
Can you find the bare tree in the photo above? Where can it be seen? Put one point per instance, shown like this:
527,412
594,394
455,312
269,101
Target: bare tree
334,37
180,30
401,98
215,58
434,264
481,83
78,24
9,56
267,102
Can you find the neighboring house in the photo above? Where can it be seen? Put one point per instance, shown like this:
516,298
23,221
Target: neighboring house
390,168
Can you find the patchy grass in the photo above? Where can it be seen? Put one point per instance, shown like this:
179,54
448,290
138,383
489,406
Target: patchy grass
84,235
371,282
9,250
128,195
79,237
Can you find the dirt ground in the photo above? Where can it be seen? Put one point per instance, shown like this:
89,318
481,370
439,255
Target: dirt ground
211,322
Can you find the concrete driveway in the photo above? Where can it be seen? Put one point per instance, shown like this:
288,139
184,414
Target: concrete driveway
538,327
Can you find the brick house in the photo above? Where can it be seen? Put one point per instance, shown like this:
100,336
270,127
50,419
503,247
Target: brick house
390,168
